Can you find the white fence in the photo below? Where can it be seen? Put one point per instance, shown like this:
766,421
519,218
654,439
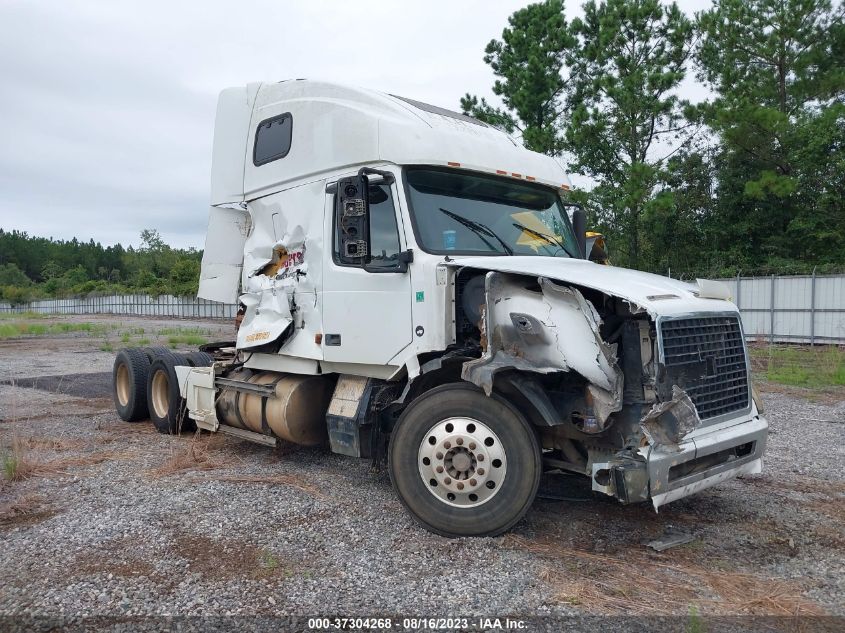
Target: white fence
796,309
138,305
799,309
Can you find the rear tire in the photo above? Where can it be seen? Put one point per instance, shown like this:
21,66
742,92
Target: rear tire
129,384
154,352
463,463
167,408
199,359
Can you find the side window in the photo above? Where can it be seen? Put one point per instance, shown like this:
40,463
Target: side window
272,139
384,232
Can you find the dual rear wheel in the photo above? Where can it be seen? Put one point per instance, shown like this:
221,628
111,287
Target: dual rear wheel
145,386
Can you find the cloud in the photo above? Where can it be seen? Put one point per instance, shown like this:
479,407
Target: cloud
107,112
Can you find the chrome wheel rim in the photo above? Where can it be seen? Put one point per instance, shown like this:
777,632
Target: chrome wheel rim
462,462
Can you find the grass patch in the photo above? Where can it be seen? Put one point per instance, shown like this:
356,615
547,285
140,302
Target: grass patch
22,315
182,331
24,328
801,366
185,336
106,347
187,339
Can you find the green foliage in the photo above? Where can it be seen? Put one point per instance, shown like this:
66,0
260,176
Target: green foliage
11,275
32,267
528,61
630,59
753,179
780,118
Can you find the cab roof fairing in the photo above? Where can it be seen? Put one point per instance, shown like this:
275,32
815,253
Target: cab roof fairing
337,127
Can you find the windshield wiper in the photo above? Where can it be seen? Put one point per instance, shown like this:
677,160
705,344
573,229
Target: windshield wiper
479,229
550,239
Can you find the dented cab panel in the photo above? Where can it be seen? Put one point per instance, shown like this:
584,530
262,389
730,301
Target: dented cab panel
282,273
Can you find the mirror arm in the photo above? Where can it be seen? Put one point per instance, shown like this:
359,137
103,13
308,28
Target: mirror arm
388,176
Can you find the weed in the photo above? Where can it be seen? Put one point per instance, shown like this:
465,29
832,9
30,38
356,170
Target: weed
19,463
10,466
124,338
143,341
268,561
106,347
694,621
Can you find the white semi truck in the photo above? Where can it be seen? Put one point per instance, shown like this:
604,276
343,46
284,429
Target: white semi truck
414,288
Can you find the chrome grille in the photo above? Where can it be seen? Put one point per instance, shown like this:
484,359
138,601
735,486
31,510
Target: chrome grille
705,356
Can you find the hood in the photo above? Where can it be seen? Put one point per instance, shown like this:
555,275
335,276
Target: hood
659,296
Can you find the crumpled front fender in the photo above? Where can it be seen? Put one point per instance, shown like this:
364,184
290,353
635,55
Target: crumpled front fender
551,330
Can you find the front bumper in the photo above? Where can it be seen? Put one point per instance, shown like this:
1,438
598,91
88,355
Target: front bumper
705,458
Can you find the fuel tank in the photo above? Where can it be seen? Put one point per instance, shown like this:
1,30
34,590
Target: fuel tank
296,414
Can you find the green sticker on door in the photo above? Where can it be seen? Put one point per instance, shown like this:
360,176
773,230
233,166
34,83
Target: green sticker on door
420,296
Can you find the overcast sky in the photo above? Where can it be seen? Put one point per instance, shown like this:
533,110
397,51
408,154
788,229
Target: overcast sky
107,108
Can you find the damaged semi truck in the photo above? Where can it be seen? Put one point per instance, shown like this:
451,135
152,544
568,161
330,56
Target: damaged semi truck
414,288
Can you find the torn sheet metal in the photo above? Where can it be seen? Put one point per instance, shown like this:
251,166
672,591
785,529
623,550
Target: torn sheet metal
671,537
667,423
222,260
711,289
282,271
267,317
550,330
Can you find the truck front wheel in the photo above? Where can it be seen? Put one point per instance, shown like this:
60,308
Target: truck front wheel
463,463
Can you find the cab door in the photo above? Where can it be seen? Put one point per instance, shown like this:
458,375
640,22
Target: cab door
367,313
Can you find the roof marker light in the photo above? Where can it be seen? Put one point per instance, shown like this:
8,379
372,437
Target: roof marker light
516,175
565,187
502,172
530,178
451,164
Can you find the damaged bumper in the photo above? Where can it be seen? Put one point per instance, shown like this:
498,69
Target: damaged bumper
705,458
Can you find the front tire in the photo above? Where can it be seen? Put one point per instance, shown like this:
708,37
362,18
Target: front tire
463,463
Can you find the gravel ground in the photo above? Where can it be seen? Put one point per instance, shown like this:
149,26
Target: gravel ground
116,519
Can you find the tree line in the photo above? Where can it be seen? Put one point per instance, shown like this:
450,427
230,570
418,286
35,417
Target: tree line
750,178
37,267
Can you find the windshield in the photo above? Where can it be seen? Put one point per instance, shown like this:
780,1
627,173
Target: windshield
472,214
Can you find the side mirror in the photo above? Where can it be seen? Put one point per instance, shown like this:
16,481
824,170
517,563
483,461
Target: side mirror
579,225
352,215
